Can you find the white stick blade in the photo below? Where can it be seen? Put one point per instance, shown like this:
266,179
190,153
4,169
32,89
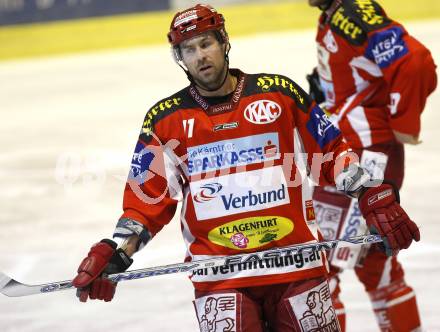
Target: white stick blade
4,279
13,288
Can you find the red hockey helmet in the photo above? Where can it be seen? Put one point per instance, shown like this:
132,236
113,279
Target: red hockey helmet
194,21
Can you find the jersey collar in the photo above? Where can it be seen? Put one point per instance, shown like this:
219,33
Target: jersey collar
224,107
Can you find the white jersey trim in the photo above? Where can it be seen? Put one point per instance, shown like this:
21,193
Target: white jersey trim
172,174
188,237
358,121
307,185
385,279
384,305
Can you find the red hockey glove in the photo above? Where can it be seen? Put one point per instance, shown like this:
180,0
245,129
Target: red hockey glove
384,216
103,259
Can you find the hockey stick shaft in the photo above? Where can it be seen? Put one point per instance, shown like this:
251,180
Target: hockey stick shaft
13,288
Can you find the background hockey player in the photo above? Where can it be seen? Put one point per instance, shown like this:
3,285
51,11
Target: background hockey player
225,147
373,79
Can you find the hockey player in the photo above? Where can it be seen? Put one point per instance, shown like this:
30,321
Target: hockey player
232,147
373,79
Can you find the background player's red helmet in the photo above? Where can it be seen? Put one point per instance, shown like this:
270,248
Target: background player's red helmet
194,21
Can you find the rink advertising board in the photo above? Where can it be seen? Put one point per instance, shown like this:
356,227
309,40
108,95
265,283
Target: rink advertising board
30,11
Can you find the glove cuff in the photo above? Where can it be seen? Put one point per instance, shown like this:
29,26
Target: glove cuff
111,243
119,262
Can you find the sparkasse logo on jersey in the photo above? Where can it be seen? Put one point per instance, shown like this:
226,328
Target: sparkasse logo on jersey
234,193
262,111
233,152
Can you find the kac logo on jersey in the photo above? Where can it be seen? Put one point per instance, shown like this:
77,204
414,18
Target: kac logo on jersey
207,192
262,112
386,47
321,128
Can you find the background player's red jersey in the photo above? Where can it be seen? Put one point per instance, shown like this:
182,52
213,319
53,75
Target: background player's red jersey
367,63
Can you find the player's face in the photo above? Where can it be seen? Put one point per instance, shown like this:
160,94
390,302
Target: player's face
317,3
204,57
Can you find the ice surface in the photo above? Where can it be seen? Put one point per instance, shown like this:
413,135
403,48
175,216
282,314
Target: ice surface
68,129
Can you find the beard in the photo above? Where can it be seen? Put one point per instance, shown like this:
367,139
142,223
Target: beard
214,81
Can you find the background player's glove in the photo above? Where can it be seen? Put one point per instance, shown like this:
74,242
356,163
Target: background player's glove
384,216
103,259
315,89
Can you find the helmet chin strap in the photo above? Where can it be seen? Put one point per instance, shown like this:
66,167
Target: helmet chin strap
191,79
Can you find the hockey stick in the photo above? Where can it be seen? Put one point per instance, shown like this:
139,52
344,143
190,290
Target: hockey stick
14,288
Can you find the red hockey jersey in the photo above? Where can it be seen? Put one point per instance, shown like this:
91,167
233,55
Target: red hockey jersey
241,171
375,76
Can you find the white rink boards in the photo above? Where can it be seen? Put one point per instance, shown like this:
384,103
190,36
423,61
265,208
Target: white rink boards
69,126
